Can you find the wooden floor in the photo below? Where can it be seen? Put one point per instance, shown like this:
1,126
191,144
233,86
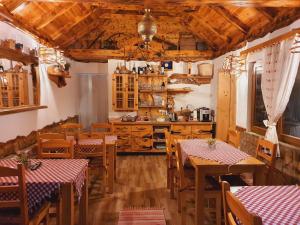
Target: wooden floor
141,182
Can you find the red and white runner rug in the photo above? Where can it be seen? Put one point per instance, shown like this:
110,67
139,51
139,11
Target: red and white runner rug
142,217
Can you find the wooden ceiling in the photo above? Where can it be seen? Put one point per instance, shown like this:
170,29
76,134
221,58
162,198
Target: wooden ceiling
87,29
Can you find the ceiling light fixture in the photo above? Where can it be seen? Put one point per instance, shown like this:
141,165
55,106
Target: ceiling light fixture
147,28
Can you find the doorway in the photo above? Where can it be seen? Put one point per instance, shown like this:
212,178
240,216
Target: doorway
93,99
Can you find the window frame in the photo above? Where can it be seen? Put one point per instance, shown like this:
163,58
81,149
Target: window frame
285,138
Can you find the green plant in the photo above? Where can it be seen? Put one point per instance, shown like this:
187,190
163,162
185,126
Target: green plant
211,141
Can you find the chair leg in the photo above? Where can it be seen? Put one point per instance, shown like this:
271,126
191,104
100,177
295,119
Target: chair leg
179,205
218,209
172,184
168,178
183,209
59,211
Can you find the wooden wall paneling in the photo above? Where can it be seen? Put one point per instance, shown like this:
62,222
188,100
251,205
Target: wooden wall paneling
232,106
37,87
223,106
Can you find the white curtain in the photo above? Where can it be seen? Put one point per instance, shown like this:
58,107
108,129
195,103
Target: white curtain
278,78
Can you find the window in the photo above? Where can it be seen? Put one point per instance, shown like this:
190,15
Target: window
259,113
288,128
291,116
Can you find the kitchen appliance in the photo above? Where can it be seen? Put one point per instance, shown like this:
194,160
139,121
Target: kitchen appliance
204,114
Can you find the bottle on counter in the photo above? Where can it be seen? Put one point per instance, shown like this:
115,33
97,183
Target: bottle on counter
134,69
117,70
146,118
162,70
163,86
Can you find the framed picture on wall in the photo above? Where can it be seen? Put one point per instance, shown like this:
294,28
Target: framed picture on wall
167,65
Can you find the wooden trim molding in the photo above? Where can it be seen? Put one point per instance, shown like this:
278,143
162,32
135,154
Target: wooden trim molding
22,143
21,109
271,42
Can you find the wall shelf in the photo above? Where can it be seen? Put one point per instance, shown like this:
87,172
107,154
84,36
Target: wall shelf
18,56
175,91
153,75
153,91
21,109
189,79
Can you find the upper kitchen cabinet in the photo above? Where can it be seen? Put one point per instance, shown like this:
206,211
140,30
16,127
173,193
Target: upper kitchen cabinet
125,92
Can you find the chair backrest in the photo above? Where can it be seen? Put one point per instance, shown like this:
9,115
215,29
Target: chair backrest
17,189
99,150
267,151
179,164
234,210
168,141
71,129
101,128
56,149
42,137
233,138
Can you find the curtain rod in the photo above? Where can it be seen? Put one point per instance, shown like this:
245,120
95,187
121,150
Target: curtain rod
271,41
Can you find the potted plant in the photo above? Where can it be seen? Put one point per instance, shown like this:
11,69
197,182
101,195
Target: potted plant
211,142
24,159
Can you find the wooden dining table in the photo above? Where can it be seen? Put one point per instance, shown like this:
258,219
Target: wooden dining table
276,205
207,167
56,176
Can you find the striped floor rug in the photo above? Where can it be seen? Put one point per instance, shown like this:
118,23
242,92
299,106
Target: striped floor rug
142,217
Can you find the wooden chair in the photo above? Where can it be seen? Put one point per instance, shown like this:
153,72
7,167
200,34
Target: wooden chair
233,138
16,211
96,152
265,151
101,128
234,210
171,164
71,130
42,137
187,186
56,149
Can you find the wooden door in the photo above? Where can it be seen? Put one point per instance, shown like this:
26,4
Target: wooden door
4,88
226,104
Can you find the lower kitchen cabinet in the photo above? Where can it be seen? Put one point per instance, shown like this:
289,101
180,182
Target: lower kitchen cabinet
135,137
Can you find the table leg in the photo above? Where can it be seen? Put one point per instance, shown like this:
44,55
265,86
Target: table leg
67,204
83,205
115,161
111,166
200,188
259,176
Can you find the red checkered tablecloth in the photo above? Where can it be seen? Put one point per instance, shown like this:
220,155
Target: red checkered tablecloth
90,145
276,205
44,183
223,152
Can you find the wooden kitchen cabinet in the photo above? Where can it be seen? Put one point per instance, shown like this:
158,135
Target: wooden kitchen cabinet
125,92
135,137
13,89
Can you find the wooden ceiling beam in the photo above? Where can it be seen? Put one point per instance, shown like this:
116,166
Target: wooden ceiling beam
226,14
200,35
269,13
102,54
206,25
238,3
68,26
54,15
13,20
73,38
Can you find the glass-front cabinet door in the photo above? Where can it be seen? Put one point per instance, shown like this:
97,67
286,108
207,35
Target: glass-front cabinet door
131,88
13,89
125,93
